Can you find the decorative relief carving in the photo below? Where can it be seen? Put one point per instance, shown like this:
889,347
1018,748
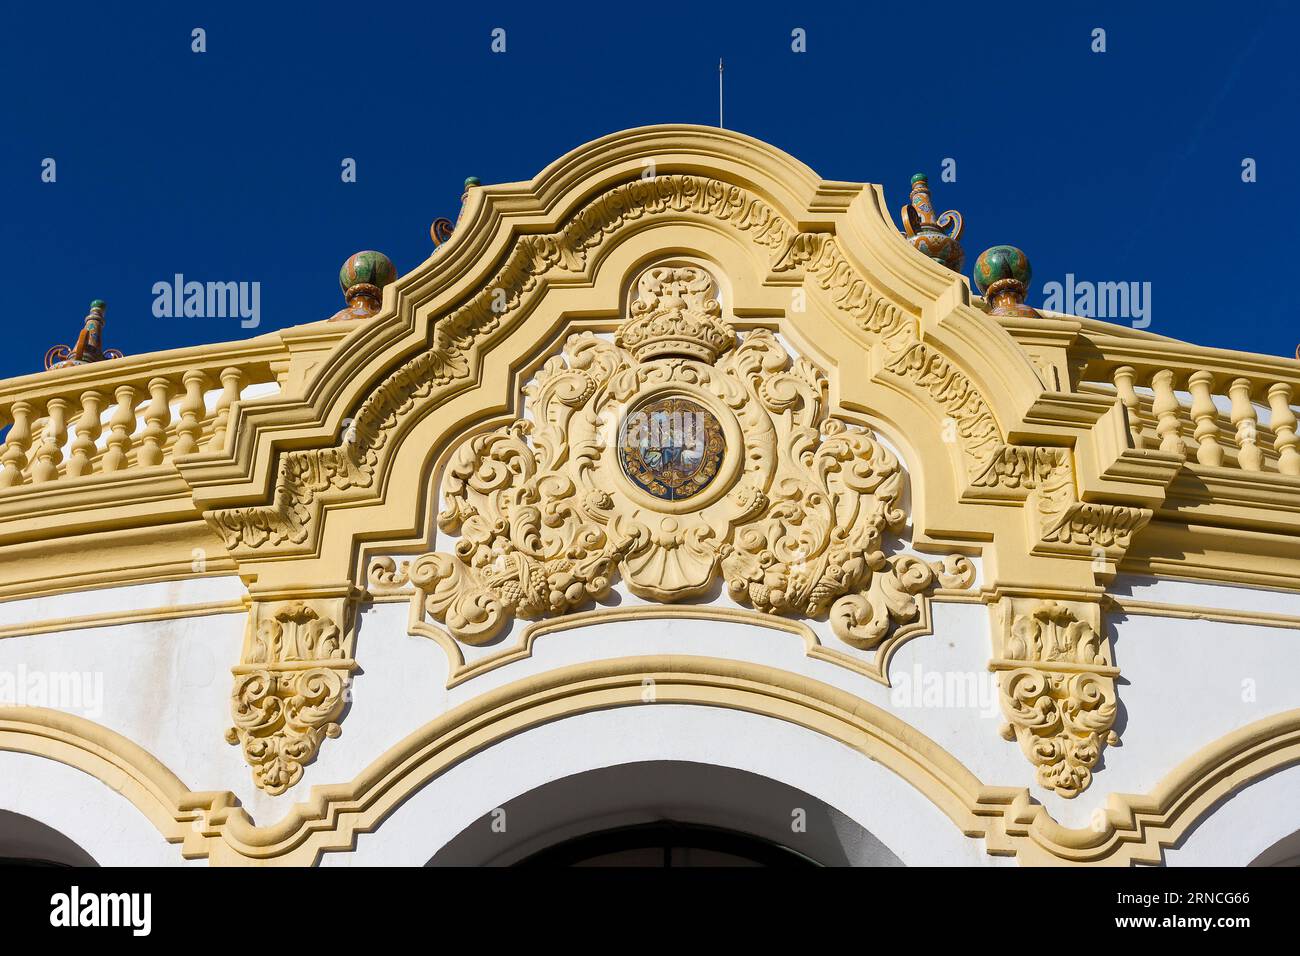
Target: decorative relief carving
818,255
1095,526
385,576
976,429
1028,467
303,476
1057,689
676,312
289,689
1065,524
795,520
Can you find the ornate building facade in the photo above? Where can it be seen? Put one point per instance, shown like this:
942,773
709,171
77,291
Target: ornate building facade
704,510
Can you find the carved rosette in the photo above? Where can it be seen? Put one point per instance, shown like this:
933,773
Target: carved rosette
1057,689
795,520
290,687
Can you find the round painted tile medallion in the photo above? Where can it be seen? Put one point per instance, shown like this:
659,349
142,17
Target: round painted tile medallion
671,447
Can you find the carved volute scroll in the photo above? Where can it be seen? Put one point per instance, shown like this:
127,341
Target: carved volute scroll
1057,688
676,454
290,686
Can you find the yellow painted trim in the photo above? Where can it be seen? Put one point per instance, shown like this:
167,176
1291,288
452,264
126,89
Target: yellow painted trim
1129,605
876,669
130,616
212,824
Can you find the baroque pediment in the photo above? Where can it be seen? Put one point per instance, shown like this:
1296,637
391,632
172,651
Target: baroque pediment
674,377
677,456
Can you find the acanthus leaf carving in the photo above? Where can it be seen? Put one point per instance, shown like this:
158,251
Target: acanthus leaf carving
1065,525
1057,690
975,428
289,688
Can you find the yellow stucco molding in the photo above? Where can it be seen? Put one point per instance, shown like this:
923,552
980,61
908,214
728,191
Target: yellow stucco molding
1057,684
794,509
211,824
1172,488
129,616
1128,605
292,679
876,668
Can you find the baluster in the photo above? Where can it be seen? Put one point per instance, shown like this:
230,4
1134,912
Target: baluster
157,416
1165,407
230,380
1282,420
14,459
1206,416
122,424
1249,454
50,451
83,445
1132,405
191,424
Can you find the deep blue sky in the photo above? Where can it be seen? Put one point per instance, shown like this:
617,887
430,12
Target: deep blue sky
225,165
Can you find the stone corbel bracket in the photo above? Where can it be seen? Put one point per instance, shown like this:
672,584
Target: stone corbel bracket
291,684
1061,524
1056,686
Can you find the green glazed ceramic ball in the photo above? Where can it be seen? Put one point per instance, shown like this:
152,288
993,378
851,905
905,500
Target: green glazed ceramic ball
370,267
919,178
99,304
1001,262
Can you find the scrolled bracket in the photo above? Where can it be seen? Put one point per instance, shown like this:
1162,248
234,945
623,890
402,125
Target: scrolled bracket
1056,686
291,684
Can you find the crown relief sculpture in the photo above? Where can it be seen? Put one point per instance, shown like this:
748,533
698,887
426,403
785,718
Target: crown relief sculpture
677,453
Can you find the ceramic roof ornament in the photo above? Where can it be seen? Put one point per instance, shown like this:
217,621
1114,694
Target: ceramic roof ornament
362,279
442,227
927,233
1002,276
90,343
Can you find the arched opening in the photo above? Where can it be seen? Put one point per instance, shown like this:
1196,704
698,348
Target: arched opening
1285,852
28,842
669,845
665,813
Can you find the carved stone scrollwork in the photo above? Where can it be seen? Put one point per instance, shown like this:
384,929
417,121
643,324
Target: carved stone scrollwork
737,470
290,687
1065,525
1057,689
306,475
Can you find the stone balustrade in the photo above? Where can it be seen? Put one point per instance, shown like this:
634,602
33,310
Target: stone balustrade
126,415
1216,408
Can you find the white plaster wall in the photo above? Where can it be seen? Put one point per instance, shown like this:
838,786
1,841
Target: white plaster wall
98,819
875,798
166,686
1267,811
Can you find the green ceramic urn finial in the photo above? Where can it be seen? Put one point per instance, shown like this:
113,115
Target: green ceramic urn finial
362,280
927,232
1002,276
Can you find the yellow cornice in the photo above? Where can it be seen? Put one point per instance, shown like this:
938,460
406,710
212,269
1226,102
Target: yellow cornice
329,370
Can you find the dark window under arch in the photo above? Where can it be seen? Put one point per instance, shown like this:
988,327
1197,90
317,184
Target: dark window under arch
667,844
